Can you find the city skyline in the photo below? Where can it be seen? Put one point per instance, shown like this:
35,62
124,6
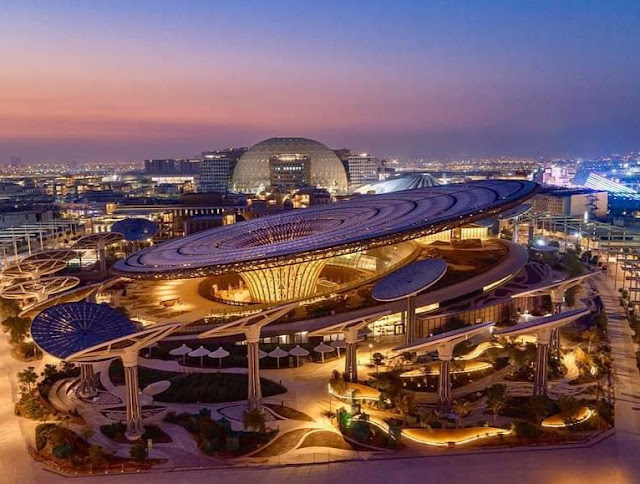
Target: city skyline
416,80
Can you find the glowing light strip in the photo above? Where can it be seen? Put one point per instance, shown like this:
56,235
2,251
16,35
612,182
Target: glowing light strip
587,416
453,372
347,397
460,442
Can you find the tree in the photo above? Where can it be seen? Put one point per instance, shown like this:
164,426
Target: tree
377,358
139,450
28,377
522,357
539,406
97,456
18,328
497,396
337,383
405,403
254,419
569,409
49,371
461,408
570,296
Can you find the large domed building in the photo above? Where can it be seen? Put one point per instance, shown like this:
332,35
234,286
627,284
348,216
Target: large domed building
252,172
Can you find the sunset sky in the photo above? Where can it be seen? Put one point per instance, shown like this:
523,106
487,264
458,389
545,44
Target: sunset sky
126,80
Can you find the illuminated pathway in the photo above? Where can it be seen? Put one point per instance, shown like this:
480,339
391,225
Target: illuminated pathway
611,461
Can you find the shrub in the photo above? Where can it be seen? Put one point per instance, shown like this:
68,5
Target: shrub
139,450
528,430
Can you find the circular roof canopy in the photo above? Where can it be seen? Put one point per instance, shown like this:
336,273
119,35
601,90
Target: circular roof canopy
410,280
325,231
58,254
93,241
407,181
136,229
48,285
66,329
251,173
34,268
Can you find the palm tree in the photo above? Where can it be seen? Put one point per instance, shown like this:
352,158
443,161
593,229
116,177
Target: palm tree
406,404
461,408
28,377
569,409
497,396
254,419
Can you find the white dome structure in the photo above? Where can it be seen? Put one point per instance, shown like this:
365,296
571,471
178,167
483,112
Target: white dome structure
251,174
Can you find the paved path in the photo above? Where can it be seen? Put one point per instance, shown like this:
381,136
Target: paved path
15,463
615,460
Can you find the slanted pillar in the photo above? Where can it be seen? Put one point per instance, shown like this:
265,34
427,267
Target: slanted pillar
445,355
542,358
351,358
135,428
254,397
411,320
87,389
557,298
102,259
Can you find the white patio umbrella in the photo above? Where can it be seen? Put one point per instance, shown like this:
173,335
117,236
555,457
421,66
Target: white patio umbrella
323,348
199,353
262,354
337,344
183,351
298,351
278,353
219,353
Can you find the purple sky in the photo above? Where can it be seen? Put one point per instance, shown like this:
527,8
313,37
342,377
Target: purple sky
130,80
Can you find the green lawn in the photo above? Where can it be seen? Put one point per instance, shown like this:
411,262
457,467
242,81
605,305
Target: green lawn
197,387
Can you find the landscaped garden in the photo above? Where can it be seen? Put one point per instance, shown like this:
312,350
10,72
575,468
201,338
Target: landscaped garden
196,387
216,437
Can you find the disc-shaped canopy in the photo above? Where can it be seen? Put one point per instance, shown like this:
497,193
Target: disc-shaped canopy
324,348
181,350
298,351
46,285
219,353
278,353
410,280
199,352
136,229
33,269
66,329
96,241
57,254
339,343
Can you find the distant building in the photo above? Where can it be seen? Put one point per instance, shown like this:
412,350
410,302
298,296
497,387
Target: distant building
362,169
172,167
289,172
571,202
216,170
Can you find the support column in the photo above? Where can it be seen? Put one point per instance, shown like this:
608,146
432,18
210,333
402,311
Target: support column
254,397
445,355
542,357
411,319
135,428
86,389
516,227
102,260
557,298
351,358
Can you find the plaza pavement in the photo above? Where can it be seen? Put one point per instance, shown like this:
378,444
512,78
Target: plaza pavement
613,460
